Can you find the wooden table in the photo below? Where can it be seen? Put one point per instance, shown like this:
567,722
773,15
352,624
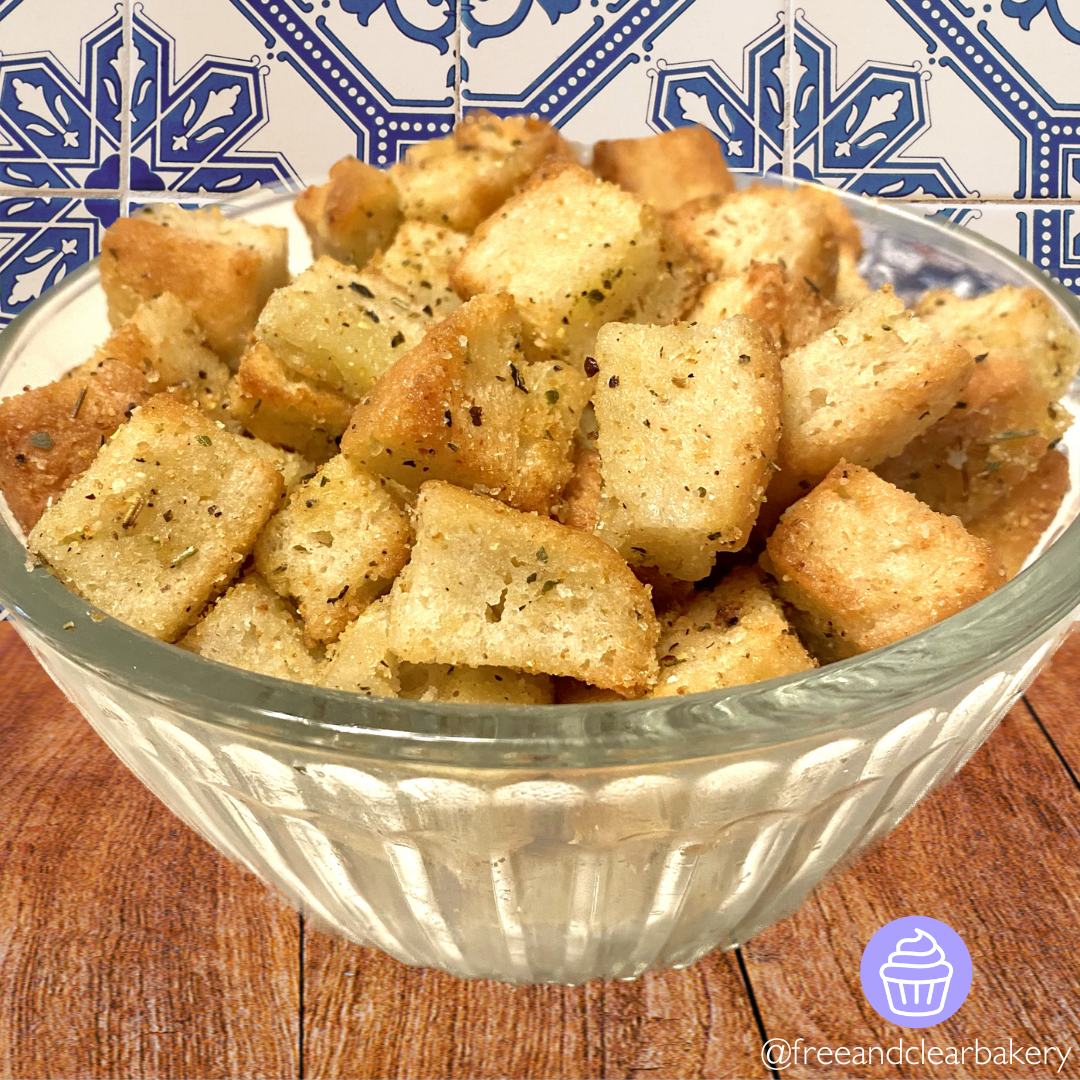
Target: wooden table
130,948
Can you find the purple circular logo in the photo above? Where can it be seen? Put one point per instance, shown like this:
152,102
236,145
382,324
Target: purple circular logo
916,971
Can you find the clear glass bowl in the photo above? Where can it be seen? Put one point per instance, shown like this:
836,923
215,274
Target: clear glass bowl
553,843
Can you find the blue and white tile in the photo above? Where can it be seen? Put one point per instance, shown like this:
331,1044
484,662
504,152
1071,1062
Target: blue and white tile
926,99
229,96
60,94
627,69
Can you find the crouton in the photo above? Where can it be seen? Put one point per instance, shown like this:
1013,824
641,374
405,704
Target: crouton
159,523
294,468
334,548
573,692
791,310
575,253
474,686
864,389
462,179
222,268
1015,524
352,216
466,406
419,260
491,586
732,635
995,435
51,434
689,420
286,409
843,224
1023,322
251,627
762,224
851,286
580,505
340,326
360,660
865,564
665,170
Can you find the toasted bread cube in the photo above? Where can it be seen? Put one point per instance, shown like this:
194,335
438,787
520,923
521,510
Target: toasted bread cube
864,389
251,627
158,525
286,409
294,468
866,564
851,286
334,548
419,259
844,226
462,179
1014,525
1022,322
791,310
689,420
491,586
360,660
580,505
761,224
732,635
222,268
466,406
987,444
352,216
574,692
51,434
575,253
665,170
340,326
474,686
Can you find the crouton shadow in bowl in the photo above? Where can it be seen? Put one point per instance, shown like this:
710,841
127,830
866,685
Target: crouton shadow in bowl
553,843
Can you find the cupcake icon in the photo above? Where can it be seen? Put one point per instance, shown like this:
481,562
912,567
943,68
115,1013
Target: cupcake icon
916,976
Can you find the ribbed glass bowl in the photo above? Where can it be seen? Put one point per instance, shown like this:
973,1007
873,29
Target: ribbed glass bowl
552,843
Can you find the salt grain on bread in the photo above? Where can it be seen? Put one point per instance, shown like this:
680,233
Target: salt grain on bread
689,420
864,564
159,523
419,259
222,268
491,586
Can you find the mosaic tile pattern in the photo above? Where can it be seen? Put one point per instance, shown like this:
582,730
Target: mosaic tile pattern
970,107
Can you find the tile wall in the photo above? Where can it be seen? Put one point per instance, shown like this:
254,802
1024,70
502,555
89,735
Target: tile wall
970,111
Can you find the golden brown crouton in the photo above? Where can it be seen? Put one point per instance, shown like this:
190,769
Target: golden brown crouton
729,636
689,420
851,286
574,692
490,586
665,170
990,441
466,406
222,268
353,215
791,310
334,548
474,686
761,224
51,434
575,253
341,326
420,259
251,627
159,523
864,389
866,564
844,226
1022,322
360,660
294,468
285,409
1015,524
580,506
462,179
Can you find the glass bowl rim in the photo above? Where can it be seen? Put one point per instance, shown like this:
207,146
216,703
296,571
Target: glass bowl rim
839,697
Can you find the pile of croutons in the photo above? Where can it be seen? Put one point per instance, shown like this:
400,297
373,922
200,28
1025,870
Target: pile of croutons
531,432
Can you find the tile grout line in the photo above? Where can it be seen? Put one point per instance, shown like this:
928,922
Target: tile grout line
459,62
1053,745
787,161
126,91
752,998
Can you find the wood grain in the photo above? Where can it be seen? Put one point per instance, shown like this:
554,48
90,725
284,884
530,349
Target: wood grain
1055,699
996,856
129,947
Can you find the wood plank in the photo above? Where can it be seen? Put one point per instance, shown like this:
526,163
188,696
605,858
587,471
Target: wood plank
1055,698
996,856
367,1015
130,948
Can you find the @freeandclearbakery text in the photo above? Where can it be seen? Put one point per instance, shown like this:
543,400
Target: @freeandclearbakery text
781,1054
